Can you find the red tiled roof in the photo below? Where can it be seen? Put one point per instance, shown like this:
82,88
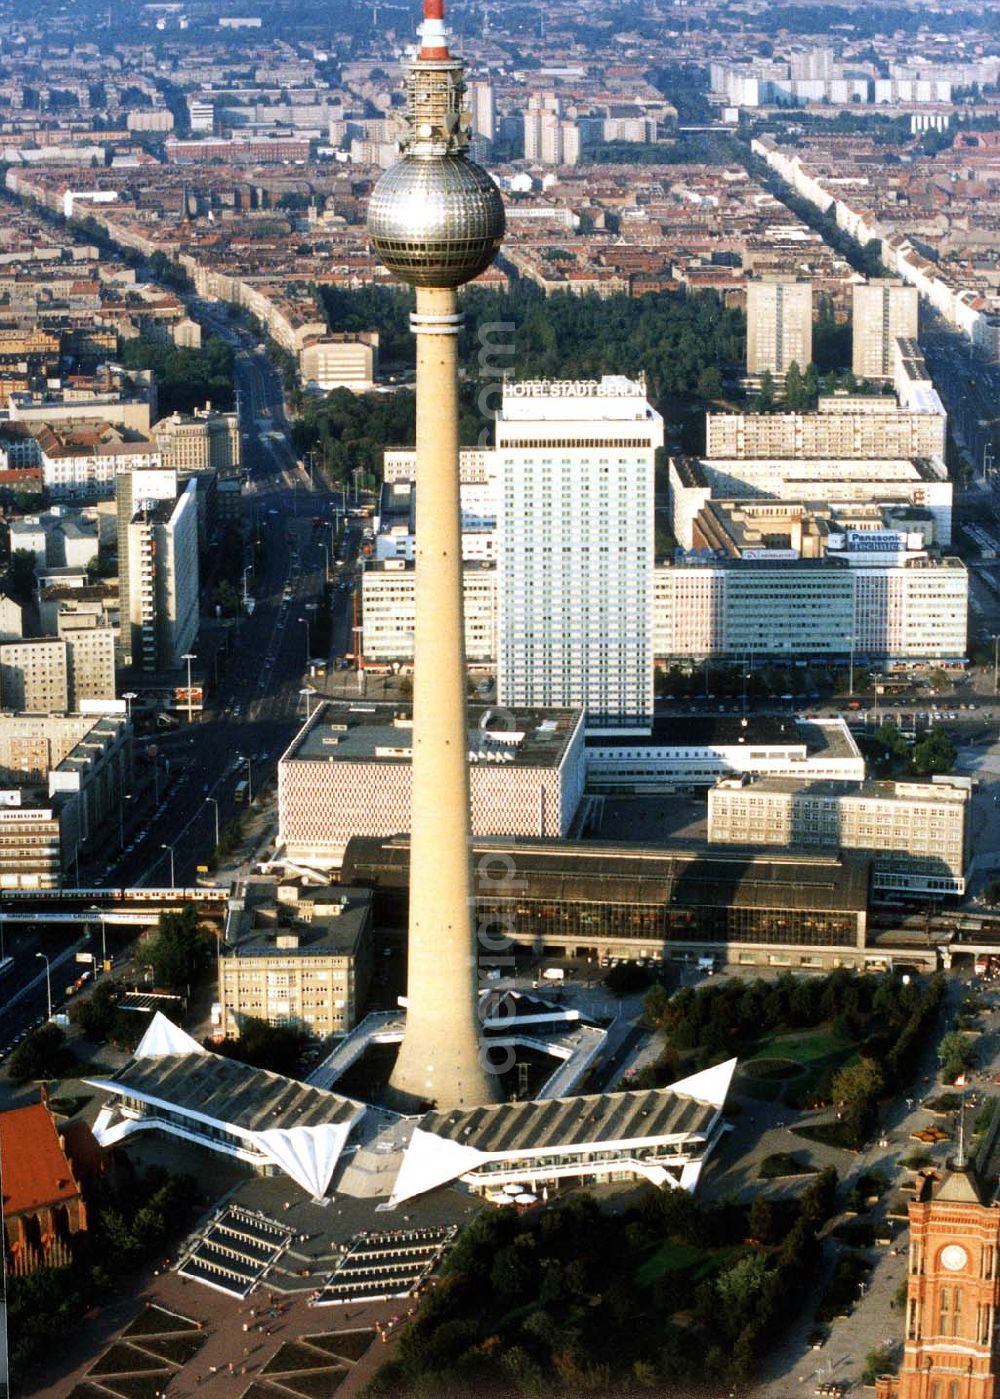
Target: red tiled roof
34,1170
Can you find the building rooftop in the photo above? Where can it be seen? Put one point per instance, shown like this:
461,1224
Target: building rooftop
343,732
610,871
327,922
950,790
34,1169
226,1090
564,1122
813,737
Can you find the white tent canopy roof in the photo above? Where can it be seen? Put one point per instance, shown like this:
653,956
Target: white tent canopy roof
189,1089
445,1146
164,1037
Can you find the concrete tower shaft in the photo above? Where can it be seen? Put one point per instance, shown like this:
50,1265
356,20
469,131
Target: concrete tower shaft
441,1059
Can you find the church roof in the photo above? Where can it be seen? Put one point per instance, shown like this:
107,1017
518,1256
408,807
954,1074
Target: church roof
33,1166
960,1186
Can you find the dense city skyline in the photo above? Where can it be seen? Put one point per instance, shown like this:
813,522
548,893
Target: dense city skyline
499,778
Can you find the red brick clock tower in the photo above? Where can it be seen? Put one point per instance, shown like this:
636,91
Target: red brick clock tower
953,1296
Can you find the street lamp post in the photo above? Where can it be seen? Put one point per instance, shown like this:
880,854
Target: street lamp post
122,799
356,472
305,623
996,662
248,569
189,657
48,980
326,563
249,780
167,846
215,804
308,691
128,696
850,678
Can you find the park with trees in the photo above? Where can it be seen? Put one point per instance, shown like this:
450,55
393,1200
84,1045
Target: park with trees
575,1300
844,1041
185,379
689,347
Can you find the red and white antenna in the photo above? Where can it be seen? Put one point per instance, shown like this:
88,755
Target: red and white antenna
433,35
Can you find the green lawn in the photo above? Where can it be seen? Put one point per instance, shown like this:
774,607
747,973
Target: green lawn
674,1257
818,1052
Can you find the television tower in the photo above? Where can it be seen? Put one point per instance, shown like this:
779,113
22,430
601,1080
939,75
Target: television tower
436,220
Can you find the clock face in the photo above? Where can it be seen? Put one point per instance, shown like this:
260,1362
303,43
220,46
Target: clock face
954,1257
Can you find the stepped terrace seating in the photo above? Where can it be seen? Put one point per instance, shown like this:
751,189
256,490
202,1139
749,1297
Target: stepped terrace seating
383,1266
234,1250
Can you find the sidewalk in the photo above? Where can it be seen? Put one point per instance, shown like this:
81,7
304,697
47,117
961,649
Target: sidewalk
874,1321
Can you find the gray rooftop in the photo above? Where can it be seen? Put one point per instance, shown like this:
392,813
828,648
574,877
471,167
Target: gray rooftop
331,928
566,1122
343,732
873,789
229,1091
828,740
605,872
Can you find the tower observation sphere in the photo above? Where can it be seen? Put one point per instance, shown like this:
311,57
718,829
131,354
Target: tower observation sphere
436,222
436,218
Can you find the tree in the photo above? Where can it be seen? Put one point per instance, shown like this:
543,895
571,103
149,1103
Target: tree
810,387
177,951
275,1047
99,1017
991,893
738,1290
709,382
935,753
956,1053
43,1054
185,379
793,388
22,574
881,1361
761,1221
227,598
765,393
862,1079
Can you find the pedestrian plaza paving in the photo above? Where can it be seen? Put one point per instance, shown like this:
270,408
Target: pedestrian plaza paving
379,1267
145,1358
234,1250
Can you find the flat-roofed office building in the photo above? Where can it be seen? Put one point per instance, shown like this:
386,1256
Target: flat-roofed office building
347,772
917,833
695,751
800,608
294,956
856,427
389,610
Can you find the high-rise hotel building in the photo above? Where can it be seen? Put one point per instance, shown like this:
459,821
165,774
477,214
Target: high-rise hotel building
574,465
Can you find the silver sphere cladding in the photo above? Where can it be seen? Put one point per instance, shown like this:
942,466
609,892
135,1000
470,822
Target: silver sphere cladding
436,222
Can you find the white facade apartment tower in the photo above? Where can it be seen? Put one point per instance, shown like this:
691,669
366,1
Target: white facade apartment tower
575,465
779,326
883,311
